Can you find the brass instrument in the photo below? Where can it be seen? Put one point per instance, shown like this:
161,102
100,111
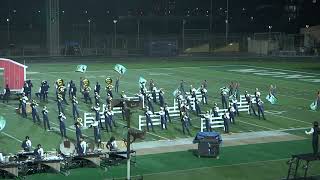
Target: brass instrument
60,82
86,82
109,83
79,120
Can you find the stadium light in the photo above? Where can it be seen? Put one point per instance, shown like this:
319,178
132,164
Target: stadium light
8,28
115,32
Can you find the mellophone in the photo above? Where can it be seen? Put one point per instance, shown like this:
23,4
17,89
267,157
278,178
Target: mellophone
61,161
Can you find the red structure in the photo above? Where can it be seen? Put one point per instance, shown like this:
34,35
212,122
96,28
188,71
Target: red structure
14,74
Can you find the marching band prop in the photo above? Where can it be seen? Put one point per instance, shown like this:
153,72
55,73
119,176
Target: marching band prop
120,69
2,123
81,68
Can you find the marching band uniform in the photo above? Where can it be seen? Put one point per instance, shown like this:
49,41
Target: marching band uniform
70,85
257,95
109,100
235,105
151,85
109,91
318,100
62,125
315,131
148,120
260,108
107,120
232,114
96,98
182,87
249,100
226,122
86,94
163,119
38,152
83,147
204,95
35,112
185,124
46,90
150,106
231,88
179,98
60,104
75,111
97,88
30,85
197,107
39,93
6,94
73,90
224,99
26,88
161,98
207,117
154,95
78,133
45,118
110,114
97,113
26,144
96,132
166,111
116,85
215,110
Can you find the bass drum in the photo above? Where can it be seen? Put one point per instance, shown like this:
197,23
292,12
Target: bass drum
67,148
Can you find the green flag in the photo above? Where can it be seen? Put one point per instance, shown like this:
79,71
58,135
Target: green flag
81,68
120,69
142,82
313,106
2,123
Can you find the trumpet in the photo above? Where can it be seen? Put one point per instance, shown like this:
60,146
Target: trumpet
86,82
79,120
60,82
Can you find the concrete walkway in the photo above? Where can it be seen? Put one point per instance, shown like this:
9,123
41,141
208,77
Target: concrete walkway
162,146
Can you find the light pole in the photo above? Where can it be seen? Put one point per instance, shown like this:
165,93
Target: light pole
183,23
89,35
138,35
270,28
306,37
115,32
227,23
8,28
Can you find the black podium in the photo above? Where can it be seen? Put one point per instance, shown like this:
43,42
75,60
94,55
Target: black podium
208,144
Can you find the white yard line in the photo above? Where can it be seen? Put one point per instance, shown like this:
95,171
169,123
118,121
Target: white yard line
280,70
293,119
255,125
12,137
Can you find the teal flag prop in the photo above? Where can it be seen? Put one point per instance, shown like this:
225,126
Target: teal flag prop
2,123
142,82
120,69
175,92
271,99
81,68
313,106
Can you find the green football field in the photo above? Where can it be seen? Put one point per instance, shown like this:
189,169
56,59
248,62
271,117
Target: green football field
297,82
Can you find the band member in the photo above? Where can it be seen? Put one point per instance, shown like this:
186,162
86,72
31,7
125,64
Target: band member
26,89
24,100
273,90
232,114
315,131
161,97
109,101
250,100
197,107
75,110
60,104
29,89
26,144
45,89
192,89
207,117
224,98
149,102
97,88
257,95
260,108
235,104
86,94
318,100
181,88
116,85
166,111
46,123
40,92
6,94
96,98
154,94
38,152
179,98
151,85
73,90
163,120
112,144
83,147
96,132
107,120
204,96
70,85
63,131
35,114
96,110
110,114
109,90
226,122
148,114
215,110
185,124
78,133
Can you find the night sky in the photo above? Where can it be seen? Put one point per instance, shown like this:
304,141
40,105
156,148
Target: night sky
245,16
